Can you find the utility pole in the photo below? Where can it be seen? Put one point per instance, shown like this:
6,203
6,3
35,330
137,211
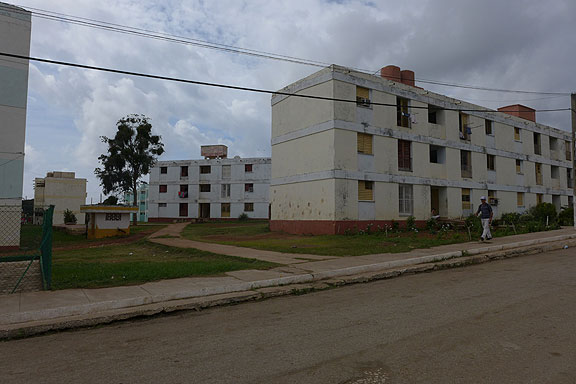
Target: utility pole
573,150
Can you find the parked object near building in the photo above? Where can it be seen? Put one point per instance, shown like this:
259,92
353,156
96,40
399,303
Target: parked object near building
107,220
141,202
64,191
15,27
213,188
402,151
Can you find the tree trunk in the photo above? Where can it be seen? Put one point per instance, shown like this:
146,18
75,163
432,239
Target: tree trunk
135,203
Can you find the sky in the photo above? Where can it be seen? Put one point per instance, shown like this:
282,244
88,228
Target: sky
516,44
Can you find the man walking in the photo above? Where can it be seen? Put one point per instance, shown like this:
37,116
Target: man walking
485,213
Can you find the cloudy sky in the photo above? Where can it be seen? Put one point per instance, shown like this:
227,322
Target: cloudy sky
513,44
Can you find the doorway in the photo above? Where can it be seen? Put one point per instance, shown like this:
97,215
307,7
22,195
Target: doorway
204,210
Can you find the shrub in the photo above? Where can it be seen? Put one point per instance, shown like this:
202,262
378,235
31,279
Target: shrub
395,226
70,217
410,223
431,224
243,217
566,216
543,211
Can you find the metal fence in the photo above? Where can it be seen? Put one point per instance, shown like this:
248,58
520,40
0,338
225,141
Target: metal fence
25,253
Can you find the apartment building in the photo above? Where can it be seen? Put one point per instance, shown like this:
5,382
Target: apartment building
215,187
141,202
15,27
64,191
401,151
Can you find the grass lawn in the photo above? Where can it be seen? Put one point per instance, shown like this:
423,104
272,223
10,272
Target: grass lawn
31,235
139,262
257,235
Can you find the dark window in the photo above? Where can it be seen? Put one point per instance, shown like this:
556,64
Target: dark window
537,148
163,188
488,127
466,164
402,113
437,154
464,127
433,113
204,187
183,209
249,187
247,167
404,155
162,205
163,169
248,207
184,171
183,193
491,162
205,169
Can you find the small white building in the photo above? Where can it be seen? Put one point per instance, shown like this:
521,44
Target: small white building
64,191
215,187
15,27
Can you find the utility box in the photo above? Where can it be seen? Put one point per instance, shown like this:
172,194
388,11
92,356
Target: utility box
107,220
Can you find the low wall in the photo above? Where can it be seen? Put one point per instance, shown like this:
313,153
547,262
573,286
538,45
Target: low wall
11,271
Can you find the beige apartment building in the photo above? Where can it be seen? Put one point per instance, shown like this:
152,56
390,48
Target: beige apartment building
402,151
64,191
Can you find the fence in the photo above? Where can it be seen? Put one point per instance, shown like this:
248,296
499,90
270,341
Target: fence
26,258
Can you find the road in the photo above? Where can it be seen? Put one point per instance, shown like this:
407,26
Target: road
510,321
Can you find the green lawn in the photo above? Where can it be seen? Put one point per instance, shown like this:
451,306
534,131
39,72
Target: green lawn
257,235
137,263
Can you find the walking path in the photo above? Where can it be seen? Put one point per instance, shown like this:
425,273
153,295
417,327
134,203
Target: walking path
34,312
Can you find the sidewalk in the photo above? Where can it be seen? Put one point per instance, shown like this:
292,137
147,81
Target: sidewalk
36,312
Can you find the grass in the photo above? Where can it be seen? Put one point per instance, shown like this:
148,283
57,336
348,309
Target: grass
137,263
257,235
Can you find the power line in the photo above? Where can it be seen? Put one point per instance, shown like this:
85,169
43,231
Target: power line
92,23
257,90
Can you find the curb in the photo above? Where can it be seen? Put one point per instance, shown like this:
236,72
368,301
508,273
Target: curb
35,322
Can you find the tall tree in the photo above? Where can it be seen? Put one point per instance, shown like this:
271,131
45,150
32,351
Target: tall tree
131,154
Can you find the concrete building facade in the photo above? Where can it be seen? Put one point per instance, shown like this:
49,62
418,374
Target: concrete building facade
402,151
141,201
212,188
64,191
15,29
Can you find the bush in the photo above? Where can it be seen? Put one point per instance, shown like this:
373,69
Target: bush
542,211
70,217
566,216
410,223
243,217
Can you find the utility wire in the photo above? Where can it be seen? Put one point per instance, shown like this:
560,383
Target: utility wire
92,23
257,90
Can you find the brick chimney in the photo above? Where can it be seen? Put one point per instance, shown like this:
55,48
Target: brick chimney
519,110
392,72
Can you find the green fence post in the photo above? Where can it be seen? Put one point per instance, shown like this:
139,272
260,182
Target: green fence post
46,248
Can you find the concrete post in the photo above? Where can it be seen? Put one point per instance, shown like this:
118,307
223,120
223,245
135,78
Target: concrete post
573,150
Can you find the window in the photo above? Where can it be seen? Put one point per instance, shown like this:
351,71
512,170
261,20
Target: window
183,209
437,154
365,190
402,114
163,170
466,164
464,128
433,114
517,135
247,168
569,178
362,97
162,205
204,187
537,147
113,217
225,210
404,155
520,199
539,198
466,199
249,187
553,143
248,207
204,169
163,188
538,168
405,199
183,193
225,171
488,127
491,162
184,171
555,172
519,166
225,190
364,142
492,200
568,150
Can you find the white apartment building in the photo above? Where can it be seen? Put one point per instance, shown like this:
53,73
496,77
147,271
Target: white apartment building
401,151
15,27
64,191
215,187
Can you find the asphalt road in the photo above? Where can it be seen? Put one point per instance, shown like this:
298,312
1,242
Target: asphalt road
511,321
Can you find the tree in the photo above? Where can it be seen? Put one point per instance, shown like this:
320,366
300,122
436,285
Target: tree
131,154
111,200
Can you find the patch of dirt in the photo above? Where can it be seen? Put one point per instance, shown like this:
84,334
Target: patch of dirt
269,236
